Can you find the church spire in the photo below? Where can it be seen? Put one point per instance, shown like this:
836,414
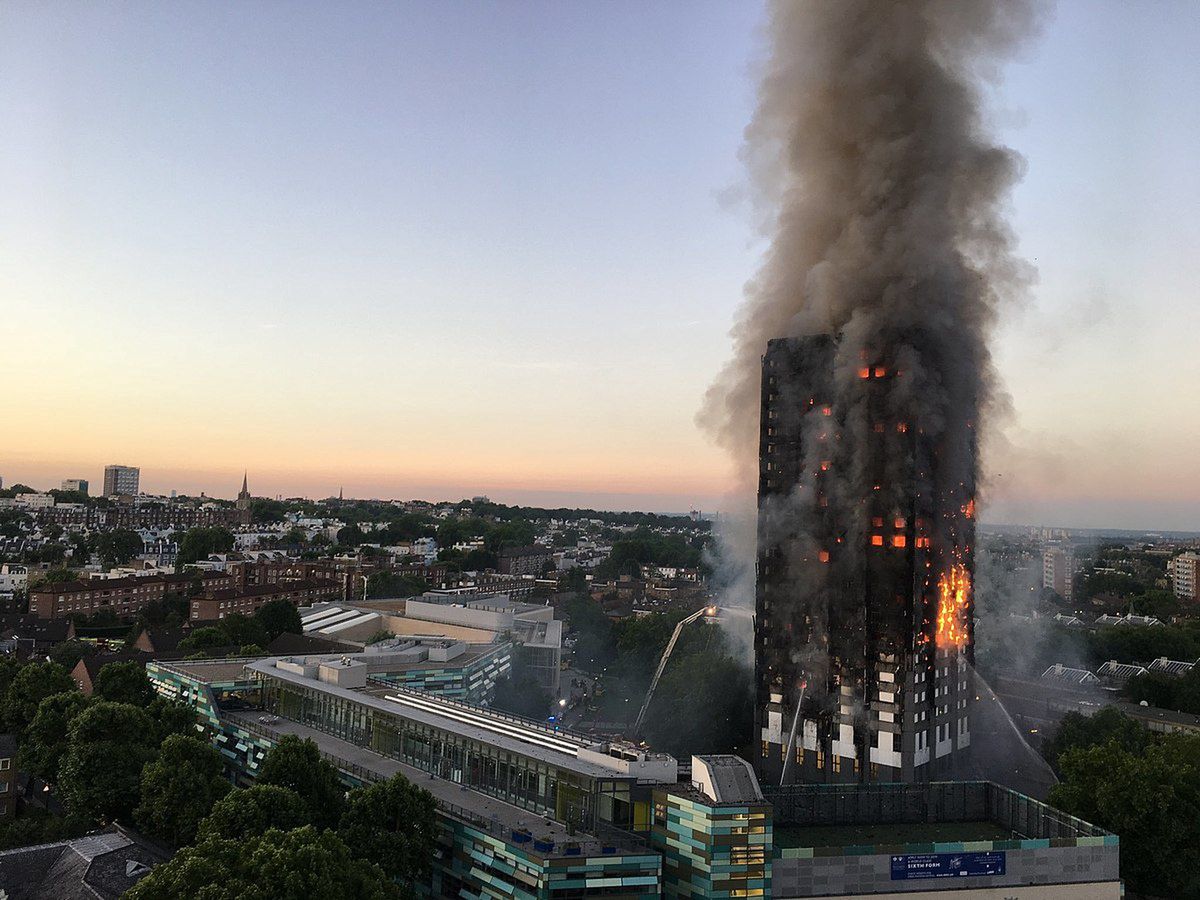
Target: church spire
243,500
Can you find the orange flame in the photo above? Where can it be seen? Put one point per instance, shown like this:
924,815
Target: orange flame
954,592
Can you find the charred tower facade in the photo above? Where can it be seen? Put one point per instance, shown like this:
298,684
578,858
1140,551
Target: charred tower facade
863,624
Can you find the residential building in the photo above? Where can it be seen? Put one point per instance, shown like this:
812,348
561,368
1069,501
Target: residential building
863,629
105,865
1185,577
121,481
124,596
152,516
1058,571
80,485
160,638
216,604
27,635
8,776
14,579
34,501
529,560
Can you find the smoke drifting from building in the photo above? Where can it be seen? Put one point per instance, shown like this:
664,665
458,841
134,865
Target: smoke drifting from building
888,264
883,196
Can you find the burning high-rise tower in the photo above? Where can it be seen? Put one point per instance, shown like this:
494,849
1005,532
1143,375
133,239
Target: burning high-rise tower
863,632
888,263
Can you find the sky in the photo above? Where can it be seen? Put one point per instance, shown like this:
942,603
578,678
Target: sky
441,249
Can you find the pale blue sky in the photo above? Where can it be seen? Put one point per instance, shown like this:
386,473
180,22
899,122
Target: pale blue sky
450,248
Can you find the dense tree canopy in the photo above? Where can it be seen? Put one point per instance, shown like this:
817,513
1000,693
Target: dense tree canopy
45,741
1079,732
245,813
107,745
1151,798
208,638
124,682
118,546
198,543
278,616
382,585
32,684
393,824
179,789
274,865
592,630
297,765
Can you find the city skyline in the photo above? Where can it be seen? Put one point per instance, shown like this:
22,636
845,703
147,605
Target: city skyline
303,230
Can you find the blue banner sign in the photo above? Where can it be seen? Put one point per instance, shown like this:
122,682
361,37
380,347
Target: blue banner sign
946,865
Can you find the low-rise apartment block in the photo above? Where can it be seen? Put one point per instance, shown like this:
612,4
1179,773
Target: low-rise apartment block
529,560
124,596
217,604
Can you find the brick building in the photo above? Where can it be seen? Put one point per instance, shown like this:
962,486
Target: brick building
155,516
8,776
124,596
218,604
529,560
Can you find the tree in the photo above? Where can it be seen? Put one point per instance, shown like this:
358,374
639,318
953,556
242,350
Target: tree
107,745
350,536
1079,732
279,616
241,814
263,509
179,789
30,686
275,865
298,766
46,738
477,560
171,717
702,705
124,682
641,641
576,580
1150,799
393,824
595,645
58,576
69,653
198,543
390,584
118,546
242,629
207,638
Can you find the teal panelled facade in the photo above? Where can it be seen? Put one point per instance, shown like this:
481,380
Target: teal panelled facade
474,682
712,849
472,861
241,750
475,863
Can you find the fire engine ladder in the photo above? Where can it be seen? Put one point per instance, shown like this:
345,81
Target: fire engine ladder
662,663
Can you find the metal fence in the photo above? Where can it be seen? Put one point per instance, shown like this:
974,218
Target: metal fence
939,801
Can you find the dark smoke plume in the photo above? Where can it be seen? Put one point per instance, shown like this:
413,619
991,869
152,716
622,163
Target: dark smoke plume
883,196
